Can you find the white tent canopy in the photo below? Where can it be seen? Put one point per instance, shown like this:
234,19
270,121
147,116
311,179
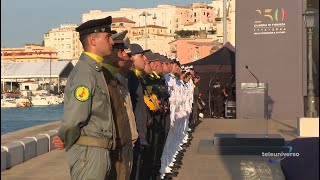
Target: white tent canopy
32,69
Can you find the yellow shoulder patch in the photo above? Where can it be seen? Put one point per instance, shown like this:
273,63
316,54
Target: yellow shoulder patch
82,93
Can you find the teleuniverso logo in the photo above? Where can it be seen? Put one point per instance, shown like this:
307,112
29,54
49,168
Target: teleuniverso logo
281,155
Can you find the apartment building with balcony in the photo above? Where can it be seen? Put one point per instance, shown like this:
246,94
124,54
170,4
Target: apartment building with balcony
169,16
230,8
121,23
65,40
151,29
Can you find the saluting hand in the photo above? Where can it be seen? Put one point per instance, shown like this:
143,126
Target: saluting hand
58,143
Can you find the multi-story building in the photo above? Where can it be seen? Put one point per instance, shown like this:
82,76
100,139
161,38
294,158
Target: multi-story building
230,8
158,43
121,23
65,40
191,49
30,52
161,22
232,17
172,17
157,39
151,29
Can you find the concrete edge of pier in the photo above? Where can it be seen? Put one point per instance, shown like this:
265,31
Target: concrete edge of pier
22,145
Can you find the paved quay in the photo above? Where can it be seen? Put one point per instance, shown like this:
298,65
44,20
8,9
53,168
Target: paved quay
53,165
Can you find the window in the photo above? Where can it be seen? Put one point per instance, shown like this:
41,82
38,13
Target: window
195,14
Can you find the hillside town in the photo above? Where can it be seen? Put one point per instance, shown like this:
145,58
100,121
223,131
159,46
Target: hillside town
188,33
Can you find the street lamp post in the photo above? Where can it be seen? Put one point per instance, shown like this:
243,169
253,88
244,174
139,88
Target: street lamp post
225,30
2,70
145,14
50,72
309,18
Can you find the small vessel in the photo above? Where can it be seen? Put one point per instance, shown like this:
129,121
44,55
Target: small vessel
23,102
39,101
8,103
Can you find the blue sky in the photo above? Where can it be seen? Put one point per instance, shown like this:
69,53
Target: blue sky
25,21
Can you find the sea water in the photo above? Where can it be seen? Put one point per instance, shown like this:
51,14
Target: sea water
13,119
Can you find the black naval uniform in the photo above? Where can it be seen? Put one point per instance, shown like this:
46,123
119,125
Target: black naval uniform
217,100
157,130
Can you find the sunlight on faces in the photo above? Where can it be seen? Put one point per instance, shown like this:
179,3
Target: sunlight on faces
126,64
102,43
125,56
148,68
176,69
166,68
113,58
182,74
187,77
157,66
196,79
192,72
139,61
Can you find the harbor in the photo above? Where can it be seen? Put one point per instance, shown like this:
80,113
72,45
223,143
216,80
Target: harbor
183,90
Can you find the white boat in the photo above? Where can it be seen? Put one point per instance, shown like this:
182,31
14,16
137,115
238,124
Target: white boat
39,101
8,103
23,102
52,100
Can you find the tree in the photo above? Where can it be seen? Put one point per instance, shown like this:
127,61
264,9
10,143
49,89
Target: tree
186,33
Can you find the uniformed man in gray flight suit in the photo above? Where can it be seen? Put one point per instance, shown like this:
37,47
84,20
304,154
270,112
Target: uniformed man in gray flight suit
88,130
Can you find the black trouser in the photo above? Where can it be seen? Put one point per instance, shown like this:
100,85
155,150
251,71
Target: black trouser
158,141
218,106
166,121
138,152
151,157
195,116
